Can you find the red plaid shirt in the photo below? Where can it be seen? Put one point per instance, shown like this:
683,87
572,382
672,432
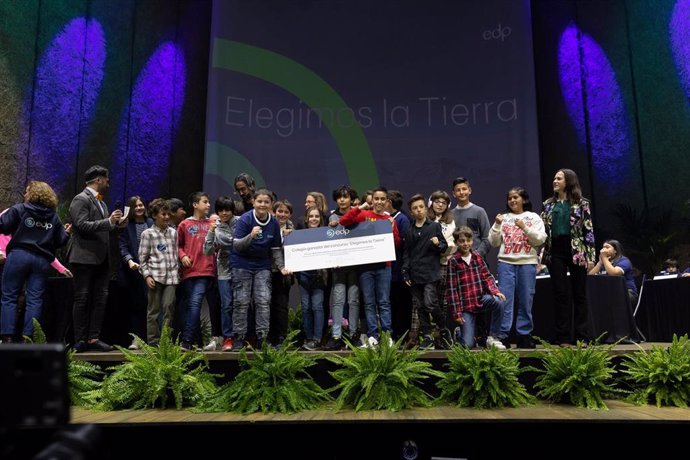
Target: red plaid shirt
467,284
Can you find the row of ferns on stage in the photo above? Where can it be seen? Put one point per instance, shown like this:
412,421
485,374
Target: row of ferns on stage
388,377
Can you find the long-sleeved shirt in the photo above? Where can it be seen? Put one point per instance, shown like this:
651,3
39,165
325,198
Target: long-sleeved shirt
447,230
356,216
262,253
421,257
5,240
475,218
467,283
158,255
191,234
220,239
518,247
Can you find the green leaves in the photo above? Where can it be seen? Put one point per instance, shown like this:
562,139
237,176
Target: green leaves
84,380
484,380
155,375
274,380
385,377
579,375
661,375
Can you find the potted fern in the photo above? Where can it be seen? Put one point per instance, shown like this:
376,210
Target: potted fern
484,380
84,377
661,375
153,376
385,377
580,375
274,380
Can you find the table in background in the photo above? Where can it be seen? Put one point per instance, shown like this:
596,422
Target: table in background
664,309
610,311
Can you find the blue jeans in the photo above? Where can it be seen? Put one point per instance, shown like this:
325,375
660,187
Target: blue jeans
376,289
22,267
490,304
312,313
517,283
345,286
245,284
225,290
195,290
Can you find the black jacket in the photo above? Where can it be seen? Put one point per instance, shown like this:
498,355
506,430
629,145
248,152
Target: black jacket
34,228
421,257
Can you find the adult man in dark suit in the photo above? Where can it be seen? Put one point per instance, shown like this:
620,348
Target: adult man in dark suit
88,255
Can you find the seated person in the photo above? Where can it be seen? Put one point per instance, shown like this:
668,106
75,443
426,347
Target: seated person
670,268
612,262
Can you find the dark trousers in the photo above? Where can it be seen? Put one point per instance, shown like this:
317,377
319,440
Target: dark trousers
561,263
280,296
401,308
90,298
426,296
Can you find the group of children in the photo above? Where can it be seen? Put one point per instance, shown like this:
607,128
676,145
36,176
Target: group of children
440,263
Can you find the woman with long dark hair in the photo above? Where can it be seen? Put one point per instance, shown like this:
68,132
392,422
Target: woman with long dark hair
569,248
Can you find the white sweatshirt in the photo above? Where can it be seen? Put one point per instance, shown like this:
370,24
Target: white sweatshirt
518,247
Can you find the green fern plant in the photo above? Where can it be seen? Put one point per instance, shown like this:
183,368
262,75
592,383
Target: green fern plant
38,336
385,377
294,320
274,380
154,375
484,380
580,375
84,381
661,375
84,378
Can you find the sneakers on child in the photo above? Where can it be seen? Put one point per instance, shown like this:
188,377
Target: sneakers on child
227,344
213,344
333,344
427,343
370,342
310,345
237,344
494,343
445,339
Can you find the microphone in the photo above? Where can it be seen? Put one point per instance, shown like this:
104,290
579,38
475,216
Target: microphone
118,204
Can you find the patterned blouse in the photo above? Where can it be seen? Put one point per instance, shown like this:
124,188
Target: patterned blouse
581,232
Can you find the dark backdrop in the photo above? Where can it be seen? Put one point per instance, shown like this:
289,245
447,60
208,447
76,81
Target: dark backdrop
639,193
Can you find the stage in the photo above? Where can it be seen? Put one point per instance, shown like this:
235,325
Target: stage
442,431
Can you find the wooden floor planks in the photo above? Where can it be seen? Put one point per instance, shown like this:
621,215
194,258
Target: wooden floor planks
618,411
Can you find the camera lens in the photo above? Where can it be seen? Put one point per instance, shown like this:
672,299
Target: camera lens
410,451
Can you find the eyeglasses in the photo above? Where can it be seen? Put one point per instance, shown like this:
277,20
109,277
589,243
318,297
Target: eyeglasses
440,201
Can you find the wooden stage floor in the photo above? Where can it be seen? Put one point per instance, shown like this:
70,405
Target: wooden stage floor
618,350
618,411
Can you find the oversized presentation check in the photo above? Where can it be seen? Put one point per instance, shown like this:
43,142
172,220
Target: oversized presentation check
328,247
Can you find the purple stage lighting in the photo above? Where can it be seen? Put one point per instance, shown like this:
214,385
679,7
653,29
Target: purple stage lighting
148,126
68,81
594,102
679,30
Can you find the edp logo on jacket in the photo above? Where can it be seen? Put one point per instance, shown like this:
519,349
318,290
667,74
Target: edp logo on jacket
31,223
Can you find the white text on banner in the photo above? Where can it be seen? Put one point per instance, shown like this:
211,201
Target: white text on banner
328,247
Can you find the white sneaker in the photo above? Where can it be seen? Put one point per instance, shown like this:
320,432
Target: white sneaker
134,345
370,342
213,344
495,343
